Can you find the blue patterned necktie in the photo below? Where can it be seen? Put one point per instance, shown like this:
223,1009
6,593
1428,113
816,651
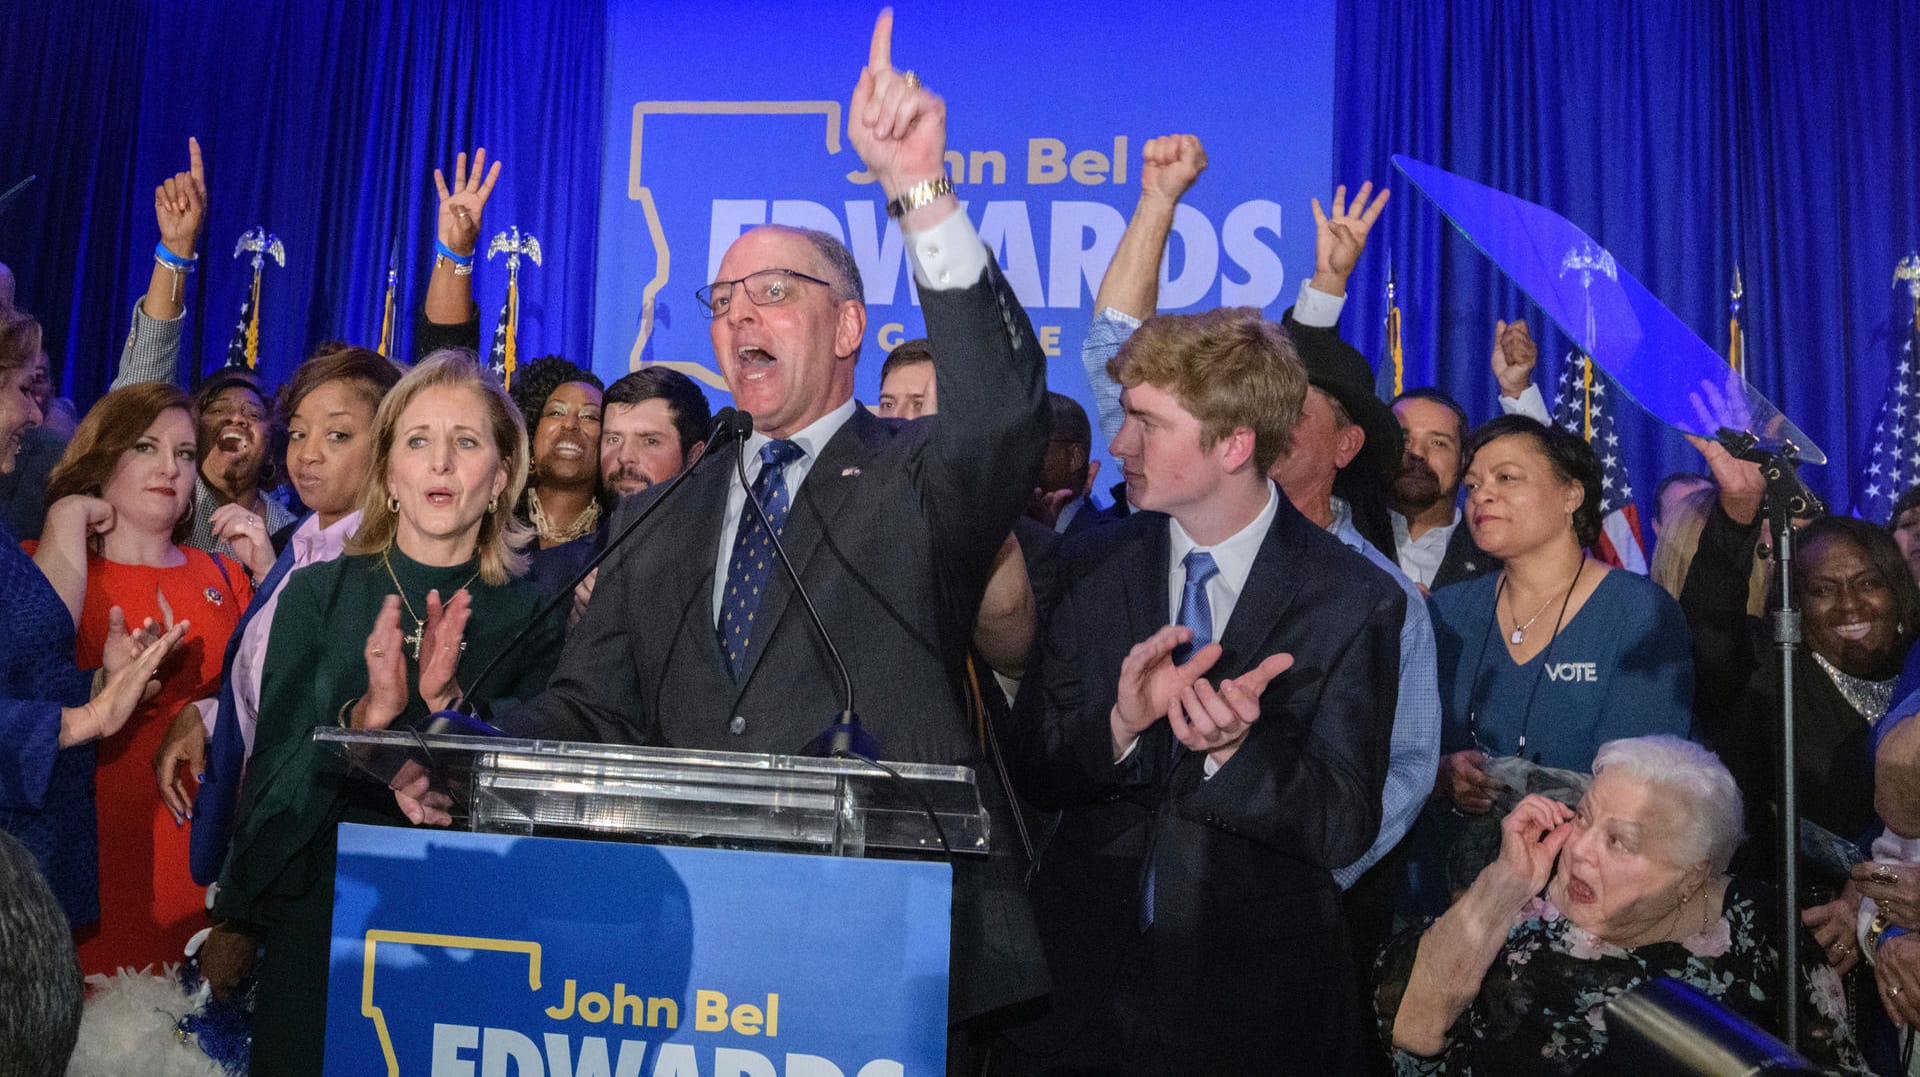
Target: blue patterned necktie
753,555
1196,613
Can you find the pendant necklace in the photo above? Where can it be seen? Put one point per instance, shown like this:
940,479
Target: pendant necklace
1519,634
419,634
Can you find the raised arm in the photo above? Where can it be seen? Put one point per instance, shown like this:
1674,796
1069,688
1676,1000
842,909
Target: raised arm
979,463
1130,289
1458,949
152,351
449,318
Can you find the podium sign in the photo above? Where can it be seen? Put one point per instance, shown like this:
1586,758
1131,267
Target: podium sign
462,954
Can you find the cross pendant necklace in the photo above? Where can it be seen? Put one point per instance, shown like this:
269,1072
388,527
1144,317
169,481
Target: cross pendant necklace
418,636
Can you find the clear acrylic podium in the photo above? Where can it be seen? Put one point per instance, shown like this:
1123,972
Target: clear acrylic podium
727,800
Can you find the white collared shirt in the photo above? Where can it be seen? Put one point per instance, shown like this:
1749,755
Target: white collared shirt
812,439
1420,557
1233,557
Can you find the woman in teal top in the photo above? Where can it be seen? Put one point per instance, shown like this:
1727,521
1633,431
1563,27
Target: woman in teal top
366,640
1547,659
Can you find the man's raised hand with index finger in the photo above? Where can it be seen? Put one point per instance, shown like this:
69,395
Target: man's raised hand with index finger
899,129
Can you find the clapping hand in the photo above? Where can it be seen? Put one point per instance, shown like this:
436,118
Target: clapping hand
107,712
386,696
458,225
442,643
1150,682
1216,721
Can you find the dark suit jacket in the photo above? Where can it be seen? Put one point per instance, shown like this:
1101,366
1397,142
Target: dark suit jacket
1245,968
894,531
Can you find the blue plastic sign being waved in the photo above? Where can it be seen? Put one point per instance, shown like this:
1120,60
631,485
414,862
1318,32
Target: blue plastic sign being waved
460,954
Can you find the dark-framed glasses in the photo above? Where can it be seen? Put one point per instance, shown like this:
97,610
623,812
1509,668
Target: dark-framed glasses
767,288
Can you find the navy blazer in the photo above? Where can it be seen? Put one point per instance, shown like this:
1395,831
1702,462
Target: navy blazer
219,795
1246,962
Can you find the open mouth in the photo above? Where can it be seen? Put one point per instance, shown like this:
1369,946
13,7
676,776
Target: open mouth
439,498
568,449
755,362
1579,892
233,441
1854,630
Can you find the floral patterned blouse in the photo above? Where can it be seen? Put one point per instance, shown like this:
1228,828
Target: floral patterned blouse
1539,1010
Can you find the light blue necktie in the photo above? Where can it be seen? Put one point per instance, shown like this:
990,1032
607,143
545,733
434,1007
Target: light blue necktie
753,556
1196,613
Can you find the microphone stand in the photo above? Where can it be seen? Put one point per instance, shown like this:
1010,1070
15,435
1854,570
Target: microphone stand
844,739
1786,498
725,424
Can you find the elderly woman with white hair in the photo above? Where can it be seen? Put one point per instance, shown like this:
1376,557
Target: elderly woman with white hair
1585,904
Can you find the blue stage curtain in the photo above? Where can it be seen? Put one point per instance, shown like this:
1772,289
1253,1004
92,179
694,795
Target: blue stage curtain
1687,136
321,122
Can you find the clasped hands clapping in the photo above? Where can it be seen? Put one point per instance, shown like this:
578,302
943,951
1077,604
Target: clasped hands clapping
1202,717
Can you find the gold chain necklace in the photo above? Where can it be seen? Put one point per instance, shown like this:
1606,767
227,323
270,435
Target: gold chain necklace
554,536
419,634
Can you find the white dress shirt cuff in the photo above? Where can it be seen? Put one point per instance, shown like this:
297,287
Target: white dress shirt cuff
949,255
1317,309
1530,403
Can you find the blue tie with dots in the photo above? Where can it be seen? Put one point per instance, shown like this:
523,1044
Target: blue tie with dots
1196,613
753,556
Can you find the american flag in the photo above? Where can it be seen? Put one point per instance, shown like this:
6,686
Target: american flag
504,355
1893,461
1583,404
243,348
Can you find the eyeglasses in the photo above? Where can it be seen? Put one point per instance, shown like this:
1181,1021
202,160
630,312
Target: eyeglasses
767,288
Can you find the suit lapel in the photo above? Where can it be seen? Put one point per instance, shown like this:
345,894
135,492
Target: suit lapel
1271,585
829,480
1146,579
705,505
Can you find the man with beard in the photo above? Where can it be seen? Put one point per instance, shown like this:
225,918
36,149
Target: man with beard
653,423
1430,545
229,409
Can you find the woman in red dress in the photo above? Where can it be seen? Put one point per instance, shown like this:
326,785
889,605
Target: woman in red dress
121,501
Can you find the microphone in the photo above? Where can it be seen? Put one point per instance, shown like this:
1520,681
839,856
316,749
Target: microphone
844,739
729,422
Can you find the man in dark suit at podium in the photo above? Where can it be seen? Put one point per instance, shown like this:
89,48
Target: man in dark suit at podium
694,637
1210,709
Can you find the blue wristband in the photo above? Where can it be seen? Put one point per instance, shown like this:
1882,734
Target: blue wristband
446,252
173,261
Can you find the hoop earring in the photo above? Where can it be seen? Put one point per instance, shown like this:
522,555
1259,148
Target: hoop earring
393,503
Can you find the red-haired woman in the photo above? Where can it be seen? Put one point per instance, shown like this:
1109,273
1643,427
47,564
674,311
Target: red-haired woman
120,503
